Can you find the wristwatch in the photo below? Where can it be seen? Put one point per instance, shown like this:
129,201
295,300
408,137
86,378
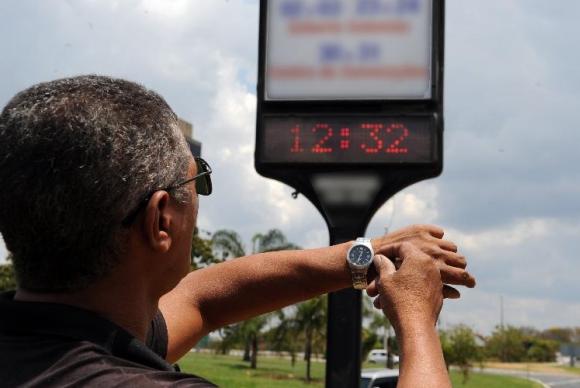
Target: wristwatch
359,258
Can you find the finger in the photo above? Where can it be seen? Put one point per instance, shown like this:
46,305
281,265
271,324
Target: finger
400,252
447,245
458,276
377,303
383,265
372,290
434,231
450,292
451,258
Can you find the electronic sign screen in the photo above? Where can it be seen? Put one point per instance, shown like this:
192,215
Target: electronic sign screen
348,139
348,50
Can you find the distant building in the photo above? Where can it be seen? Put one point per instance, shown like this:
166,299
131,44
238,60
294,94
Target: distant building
187,130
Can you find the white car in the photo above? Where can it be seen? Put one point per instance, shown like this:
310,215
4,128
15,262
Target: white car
379,356
379,378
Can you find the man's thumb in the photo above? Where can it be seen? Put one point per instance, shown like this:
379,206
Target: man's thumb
383,265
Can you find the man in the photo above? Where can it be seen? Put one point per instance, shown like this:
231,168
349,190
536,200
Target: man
99,201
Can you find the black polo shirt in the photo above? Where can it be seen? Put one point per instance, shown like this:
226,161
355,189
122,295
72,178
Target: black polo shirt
55,345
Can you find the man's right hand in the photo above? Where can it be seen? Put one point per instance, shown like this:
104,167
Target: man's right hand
411,297
414,293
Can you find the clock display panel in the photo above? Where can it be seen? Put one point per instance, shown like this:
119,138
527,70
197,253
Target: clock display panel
360,255
348,49
347,139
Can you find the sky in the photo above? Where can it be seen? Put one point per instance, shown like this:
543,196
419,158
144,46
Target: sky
509,194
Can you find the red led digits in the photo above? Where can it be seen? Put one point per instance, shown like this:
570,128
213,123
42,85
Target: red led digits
296,140
319,147
402,132
345,141
374,134
373,138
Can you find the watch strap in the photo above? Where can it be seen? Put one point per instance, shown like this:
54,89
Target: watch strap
359,279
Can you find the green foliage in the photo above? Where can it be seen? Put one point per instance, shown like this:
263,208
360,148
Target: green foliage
202,252
370,340
460,349
513,344
228,244
507,344
272,372
303,324
561,335
542,350
373,336
273,240
7,279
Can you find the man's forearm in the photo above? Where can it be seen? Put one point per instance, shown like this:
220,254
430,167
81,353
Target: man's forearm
225,293
422,362
252,285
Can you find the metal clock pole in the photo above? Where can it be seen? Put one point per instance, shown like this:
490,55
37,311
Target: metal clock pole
343,342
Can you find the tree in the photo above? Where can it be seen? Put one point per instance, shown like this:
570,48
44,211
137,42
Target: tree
460,349
562,335
302,323
541,350
378,323
283,337
518,344
228,244
311,321
506,344
201,251
7,278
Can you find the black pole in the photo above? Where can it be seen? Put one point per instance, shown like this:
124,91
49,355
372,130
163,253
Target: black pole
343,338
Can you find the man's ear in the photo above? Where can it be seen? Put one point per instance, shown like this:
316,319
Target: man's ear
157,222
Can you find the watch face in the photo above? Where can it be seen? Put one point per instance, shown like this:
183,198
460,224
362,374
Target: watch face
360,255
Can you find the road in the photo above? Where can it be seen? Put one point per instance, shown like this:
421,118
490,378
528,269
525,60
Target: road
548,380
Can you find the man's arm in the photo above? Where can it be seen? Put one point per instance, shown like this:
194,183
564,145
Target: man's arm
412,297
245,287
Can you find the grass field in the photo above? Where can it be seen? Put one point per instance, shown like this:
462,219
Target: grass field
575,370
229,371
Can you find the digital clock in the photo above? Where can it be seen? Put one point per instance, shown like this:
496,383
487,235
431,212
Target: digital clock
348,139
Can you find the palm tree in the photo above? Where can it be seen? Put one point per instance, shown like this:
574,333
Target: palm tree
379,323
311,320
228,244
306,321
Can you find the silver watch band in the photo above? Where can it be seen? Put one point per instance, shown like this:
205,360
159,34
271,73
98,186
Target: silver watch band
359,279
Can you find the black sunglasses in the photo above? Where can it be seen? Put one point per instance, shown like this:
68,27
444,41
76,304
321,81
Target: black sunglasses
202,186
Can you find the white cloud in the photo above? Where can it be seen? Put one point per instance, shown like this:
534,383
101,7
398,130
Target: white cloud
507,236
418,204
168,11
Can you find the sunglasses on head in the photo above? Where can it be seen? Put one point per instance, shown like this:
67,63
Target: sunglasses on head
202,187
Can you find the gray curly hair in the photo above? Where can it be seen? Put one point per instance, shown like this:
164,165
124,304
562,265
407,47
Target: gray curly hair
76,155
